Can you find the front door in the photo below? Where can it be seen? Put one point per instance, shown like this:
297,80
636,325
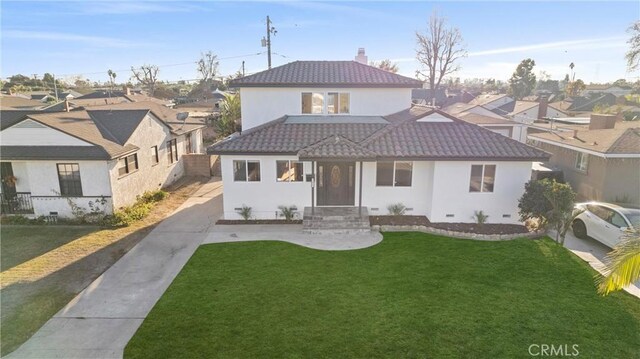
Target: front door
336,183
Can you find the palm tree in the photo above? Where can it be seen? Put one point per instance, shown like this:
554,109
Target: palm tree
229,120
623,264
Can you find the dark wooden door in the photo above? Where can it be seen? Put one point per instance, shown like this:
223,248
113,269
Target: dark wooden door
336,183
8,184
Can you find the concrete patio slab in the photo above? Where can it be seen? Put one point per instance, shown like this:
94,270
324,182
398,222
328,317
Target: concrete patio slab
292,234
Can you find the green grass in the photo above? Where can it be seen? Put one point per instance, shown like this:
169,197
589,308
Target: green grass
413,295
21,243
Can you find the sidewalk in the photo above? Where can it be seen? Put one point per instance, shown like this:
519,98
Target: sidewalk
99,322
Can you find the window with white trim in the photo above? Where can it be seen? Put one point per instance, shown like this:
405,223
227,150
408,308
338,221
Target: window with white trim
328,103
246,171
289,171
394,173
582,161
483,178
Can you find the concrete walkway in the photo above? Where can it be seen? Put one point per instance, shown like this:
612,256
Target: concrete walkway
292,234
101,320
594,253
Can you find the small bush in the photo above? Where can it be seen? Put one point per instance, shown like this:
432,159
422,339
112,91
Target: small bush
480,217
153,196
397,209
127,215
245,212
289,213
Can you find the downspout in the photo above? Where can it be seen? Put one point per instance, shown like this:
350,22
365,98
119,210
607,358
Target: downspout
313,187
360,192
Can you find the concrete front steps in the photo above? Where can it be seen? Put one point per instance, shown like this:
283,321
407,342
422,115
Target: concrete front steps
335,220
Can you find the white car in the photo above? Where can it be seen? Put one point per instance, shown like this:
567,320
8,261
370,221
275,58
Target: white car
604,222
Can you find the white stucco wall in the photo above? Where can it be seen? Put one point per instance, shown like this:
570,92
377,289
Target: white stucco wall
553,113
265,196
438,189
451,192
417,197
40,178
148,177
260,105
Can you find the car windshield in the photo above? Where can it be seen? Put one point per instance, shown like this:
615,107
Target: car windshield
633,215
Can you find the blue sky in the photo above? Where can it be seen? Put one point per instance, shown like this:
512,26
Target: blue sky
89,37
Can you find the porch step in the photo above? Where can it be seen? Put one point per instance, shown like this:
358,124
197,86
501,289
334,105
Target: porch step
336,220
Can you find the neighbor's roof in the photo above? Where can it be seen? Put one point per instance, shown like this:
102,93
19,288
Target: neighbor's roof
486,99
522,106
404,135
623,139
163,113
19,103
484,120
325,73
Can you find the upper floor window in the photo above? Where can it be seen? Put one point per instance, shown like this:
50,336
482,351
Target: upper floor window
482,178
69,178
397,174
325,103
582,161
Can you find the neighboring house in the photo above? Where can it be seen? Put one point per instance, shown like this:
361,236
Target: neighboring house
50,160
499,103
426,97
13,102
480,116
323,148
524,112
601,160
604,89
583,104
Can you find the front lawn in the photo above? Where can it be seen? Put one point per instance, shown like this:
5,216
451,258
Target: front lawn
413,295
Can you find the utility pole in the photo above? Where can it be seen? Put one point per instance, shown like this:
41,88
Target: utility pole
267,42
242,68
55,86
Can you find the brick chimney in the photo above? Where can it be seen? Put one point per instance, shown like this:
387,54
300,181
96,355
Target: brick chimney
602,121
542,107
127,90
362,58
66,105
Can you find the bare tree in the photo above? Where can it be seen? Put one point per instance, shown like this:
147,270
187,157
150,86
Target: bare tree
386,65
208,66
439,48
147,75
633,55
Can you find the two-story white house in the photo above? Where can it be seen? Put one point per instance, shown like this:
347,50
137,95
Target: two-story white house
48,159
344,134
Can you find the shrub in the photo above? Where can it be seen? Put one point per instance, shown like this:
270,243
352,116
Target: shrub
153,196
397,209
480,217
289,213
127,215
245,212
533,205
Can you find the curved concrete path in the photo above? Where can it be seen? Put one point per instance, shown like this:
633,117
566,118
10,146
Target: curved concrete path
292,234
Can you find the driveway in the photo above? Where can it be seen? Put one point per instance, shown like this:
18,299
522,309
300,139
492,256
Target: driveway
99,322
594,253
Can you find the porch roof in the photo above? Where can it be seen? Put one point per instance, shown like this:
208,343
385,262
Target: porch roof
336,147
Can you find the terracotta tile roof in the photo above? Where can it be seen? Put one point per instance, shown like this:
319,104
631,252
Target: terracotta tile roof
623,139
325,73
402,137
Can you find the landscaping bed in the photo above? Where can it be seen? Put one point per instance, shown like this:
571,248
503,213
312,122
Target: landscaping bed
259,221
487,228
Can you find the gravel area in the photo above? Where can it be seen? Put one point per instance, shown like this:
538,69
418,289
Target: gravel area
487,228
